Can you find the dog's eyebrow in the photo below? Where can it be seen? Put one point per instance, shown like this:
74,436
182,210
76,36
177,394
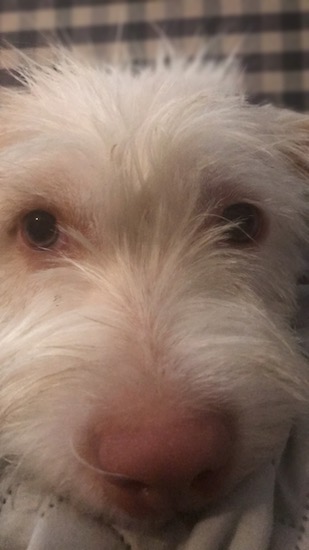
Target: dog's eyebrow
25,182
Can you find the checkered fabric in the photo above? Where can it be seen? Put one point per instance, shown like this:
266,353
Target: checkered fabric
271,37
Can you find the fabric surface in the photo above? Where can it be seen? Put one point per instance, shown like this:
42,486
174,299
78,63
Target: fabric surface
270,36
268,511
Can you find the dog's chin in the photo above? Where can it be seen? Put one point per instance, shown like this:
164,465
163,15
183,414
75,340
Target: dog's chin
93,498
152,525
178,513
188,515
99,505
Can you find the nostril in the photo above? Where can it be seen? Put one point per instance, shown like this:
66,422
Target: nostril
132,485
135,497
201,478
126,483
206,481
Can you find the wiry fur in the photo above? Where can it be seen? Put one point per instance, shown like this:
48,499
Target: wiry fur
144,302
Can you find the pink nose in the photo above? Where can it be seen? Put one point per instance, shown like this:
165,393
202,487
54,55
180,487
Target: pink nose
154,469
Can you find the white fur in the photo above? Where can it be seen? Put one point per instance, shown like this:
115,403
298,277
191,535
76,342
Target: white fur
143,304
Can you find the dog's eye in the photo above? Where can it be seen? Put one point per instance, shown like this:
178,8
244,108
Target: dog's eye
40,229
248,222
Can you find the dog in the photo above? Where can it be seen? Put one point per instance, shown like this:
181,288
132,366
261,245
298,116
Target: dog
153,229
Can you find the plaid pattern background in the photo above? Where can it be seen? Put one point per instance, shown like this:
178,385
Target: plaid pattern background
271,37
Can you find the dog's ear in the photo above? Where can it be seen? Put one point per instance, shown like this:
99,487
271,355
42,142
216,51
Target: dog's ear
293,139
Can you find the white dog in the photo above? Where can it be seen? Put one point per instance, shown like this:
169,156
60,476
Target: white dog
153,227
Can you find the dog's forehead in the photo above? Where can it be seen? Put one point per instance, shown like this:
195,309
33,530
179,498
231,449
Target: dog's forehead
160,108
82,132
118,91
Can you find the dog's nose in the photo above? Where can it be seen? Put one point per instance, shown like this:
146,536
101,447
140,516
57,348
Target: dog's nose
155,469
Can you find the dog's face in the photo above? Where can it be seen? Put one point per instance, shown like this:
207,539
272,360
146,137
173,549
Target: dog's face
151,234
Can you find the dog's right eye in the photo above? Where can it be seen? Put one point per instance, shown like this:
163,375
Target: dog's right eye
248,222
40,229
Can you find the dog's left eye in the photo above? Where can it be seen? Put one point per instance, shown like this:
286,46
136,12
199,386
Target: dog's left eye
248,222
40,229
